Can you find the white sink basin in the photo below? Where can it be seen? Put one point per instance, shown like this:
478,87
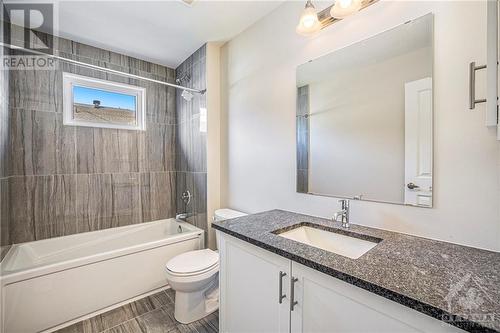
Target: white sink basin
347,246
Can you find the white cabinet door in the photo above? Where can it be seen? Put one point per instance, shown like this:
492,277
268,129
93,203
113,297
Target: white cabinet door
326,304
250,297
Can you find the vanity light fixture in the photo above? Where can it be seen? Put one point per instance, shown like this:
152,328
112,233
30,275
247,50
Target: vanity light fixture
344,8
312,21
309,23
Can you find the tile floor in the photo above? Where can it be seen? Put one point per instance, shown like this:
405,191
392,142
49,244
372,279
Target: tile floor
152,314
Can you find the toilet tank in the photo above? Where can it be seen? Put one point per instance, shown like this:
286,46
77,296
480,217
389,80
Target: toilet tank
226,214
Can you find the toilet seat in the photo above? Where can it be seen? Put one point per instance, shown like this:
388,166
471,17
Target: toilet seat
193,263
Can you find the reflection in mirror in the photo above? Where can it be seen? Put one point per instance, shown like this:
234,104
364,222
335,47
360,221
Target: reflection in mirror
364,118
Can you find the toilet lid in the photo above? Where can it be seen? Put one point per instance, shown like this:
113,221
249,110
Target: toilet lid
193,261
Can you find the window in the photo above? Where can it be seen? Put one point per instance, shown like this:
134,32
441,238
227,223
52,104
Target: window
98,103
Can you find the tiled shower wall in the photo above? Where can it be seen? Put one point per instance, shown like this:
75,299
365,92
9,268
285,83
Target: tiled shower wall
4,155
63,179
191,163
302,139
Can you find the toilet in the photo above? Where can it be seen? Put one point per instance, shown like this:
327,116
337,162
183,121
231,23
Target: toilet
194,277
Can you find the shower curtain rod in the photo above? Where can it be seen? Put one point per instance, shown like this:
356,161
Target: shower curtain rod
103,69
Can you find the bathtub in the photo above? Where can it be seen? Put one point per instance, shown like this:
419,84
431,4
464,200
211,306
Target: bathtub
49,284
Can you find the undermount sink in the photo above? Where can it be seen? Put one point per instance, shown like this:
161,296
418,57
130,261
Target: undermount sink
331,241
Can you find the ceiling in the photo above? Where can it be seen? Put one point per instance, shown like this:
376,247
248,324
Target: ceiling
164,32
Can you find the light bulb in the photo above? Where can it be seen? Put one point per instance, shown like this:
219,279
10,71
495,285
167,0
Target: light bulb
344,8
308,22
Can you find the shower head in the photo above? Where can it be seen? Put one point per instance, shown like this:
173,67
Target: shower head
184,77
188,96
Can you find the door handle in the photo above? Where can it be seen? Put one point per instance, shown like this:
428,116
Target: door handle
293,302
281,296
412,186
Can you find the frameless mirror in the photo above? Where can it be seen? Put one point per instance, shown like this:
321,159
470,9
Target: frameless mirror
364,118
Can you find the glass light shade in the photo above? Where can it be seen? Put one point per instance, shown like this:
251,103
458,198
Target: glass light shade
344,8
308,23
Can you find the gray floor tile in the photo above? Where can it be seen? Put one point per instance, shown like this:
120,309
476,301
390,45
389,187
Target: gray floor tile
152,314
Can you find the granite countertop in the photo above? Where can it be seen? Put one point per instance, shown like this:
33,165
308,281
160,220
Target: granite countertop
440,279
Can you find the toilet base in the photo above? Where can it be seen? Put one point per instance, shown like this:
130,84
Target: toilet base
192,306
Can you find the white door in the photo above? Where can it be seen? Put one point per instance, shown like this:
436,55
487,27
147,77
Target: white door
326,304
251,297
418,142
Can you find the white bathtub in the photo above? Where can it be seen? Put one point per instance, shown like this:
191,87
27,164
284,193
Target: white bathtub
51,283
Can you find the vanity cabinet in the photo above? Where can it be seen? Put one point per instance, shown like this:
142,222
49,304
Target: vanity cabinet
250,296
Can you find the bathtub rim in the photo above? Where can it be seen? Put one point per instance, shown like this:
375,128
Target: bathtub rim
9,277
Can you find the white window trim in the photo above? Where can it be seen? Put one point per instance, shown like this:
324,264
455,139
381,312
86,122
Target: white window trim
70,80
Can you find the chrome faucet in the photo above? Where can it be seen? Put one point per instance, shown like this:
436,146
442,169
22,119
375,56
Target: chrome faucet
183,216
343,214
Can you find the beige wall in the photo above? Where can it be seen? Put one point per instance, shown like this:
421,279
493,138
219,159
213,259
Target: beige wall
213,136
259,121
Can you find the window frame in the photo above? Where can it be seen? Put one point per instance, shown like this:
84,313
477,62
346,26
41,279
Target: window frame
70,80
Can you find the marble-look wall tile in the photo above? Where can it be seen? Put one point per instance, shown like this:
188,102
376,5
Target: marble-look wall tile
196,184
41,144
302,133
108,200
302,181
38,90
157,148
103,150
191,142
4,212
42,207
74,179
158,195
191,146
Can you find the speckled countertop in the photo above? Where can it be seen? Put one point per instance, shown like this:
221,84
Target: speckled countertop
440,279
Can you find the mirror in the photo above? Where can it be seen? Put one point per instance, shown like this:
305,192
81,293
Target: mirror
364,119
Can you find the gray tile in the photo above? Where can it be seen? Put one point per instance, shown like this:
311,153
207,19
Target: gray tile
158,195
302,181
4,212
3,251
131,326
42,207
108,200
36,90
122,315
209,324
41,144
157,321
102,150
157,148
196,184
152,314
191,146
160,103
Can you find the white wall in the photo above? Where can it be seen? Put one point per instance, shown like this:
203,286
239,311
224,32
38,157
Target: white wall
259,98
357,137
